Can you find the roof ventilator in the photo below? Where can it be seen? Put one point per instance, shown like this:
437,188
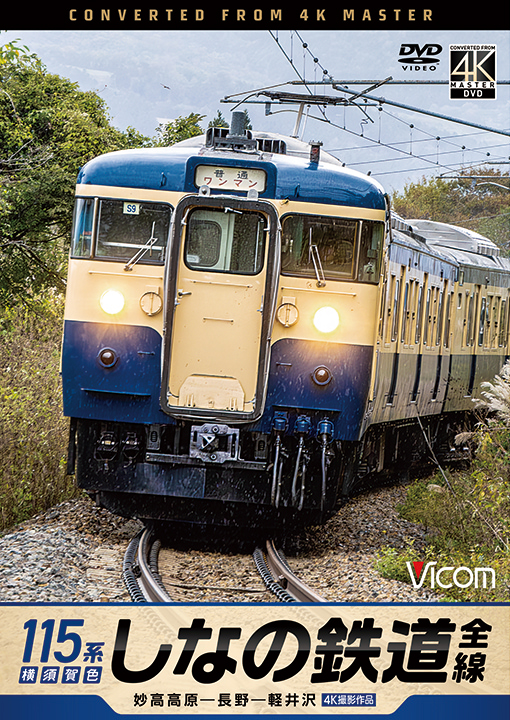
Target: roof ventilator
237,138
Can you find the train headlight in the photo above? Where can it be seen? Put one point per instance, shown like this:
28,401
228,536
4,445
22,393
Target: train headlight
326,319
112,301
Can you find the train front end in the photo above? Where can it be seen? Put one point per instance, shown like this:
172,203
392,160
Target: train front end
220,329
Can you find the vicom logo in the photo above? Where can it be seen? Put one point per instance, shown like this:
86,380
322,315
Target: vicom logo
462,576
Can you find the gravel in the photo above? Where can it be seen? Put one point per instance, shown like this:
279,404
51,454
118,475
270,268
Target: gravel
74,553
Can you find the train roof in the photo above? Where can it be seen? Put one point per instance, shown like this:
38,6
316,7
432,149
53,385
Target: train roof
457,244
451,236
291,173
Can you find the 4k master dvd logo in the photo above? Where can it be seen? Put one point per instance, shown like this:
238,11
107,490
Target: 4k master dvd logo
473,72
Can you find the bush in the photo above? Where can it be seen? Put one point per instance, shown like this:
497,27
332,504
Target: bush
33,431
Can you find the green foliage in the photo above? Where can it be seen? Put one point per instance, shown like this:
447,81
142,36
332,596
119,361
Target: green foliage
48,129
391,562
177,130
219,121
481,204
33,432
187,127
12,52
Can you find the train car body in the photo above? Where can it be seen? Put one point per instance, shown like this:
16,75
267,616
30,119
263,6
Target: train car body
246,335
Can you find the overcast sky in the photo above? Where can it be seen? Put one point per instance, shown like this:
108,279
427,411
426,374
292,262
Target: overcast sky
146,77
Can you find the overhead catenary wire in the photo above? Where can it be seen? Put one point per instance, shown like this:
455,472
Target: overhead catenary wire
381,144
393,145
363,102
422,156
342,87
435,159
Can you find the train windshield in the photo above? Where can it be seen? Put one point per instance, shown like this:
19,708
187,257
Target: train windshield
121,230
225,240
337,248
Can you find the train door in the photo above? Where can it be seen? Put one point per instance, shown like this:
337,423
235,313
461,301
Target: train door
221,290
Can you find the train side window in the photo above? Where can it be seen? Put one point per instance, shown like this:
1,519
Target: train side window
503,322
395,309
469,320
435,316
83,221
483,320
369,263
440,309
225,240
493,339
127,228
428,320
415,285
448,319
405,314
419,316
489,321
388,319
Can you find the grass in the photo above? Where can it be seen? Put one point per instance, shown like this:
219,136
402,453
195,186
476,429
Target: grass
33,431
467,514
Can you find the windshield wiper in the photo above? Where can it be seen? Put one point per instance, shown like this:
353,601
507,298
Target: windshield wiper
148,245
319,272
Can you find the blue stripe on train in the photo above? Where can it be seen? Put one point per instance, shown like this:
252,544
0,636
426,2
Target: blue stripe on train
127,392
343,398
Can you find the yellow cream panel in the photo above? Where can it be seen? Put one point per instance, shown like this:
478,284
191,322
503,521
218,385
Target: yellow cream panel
107,191
89,279
292,206
217,326
350,300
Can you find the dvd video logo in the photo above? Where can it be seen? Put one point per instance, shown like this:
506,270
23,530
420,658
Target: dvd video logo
414,57
447,577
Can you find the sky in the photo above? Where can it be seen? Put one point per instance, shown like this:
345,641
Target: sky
147,77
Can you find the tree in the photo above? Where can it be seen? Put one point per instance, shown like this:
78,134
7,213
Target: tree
247,121
219,121
478,200
11,52
180,129
48,130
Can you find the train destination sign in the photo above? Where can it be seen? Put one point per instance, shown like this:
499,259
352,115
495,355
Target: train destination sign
230,178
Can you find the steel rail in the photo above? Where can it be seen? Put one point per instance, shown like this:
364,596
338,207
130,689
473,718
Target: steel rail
140,576
144,584
284,579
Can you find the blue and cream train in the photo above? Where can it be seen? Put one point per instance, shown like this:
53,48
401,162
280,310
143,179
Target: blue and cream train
250,334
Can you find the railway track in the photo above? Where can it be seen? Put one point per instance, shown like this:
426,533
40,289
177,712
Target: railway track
279,578
140,570
141,575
